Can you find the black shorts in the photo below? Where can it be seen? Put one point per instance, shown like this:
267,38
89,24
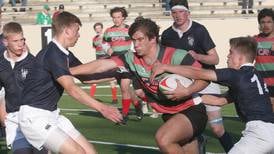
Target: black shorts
197,116
271,91
102,56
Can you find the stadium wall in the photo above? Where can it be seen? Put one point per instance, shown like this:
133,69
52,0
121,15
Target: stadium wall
221,30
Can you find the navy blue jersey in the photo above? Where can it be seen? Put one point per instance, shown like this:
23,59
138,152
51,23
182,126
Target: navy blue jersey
2,46
41,88
12,79
196,38
248,91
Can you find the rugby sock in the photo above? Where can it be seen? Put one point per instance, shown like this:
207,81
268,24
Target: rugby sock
114,93
92,90
136,103
125,106
144,99
226,141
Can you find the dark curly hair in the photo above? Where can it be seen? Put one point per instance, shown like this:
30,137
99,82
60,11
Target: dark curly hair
147,26
119,9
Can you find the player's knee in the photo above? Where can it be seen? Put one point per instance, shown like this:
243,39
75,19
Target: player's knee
139,93
72,149
161,140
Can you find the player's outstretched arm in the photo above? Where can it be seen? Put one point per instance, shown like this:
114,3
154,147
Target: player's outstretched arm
214,100
186,71
109,112
210,58
96,66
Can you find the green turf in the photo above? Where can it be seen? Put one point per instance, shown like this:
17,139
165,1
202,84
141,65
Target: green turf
96,128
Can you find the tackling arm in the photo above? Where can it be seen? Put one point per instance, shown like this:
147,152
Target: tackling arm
96,66
186,71
210,58
214,100
76,92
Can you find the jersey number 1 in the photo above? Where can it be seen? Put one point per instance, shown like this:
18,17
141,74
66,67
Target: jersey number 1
259,86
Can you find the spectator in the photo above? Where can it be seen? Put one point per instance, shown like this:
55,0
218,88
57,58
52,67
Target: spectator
23,4
44,18
167,7
247,6
61,8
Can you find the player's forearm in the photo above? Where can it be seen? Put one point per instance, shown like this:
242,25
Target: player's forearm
197,86
211,58
214,100
208,59
96,66
83,98
186,71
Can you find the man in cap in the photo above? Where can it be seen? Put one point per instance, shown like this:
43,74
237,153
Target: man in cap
43,17
194,37
23,4
61,8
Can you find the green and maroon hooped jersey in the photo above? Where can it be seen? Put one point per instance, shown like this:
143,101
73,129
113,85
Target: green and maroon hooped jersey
141,72
265,61
97,44
118,39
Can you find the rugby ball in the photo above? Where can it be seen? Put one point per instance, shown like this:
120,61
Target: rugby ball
169,82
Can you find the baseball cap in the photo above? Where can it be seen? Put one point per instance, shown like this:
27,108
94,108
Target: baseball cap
46,7
61,6
179,4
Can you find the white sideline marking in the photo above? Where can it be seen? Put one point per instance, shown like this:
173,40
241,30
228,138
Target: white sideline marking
125,145
91,110
96,95
135,146
88,87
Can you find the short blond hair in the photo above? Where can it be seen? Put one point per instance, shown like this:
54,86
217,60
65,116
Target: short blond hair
12,28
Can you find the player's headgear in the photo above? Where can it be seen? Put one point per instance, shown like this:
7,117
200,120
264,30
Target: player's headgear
179,4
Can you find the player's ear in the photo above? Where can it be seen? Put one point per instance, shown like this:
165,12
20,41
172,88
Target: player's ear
66,31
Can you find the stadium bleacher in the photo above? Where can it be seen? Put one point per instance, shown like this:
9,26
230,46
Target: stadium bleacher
98,10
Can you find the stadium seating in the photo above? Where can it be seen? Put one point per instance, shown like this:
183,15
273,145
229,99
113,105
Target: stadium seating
96,10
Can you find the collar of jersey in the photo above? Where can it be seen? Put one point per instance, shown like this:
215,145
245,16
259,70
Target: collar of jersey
23,56
247,64
65,51
179,32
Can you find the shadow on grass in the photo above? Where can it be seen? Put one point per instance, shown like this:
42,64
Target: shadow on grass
3,147
132,115
132,150
233,126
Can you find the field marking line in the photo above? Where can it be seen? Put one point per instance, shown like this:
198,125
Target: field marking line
91,110
134,146
125,145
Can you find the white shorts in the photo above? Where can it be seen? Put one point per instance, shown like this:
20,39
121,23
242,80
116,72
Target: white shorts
37,124
13,132
258,138
212,88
